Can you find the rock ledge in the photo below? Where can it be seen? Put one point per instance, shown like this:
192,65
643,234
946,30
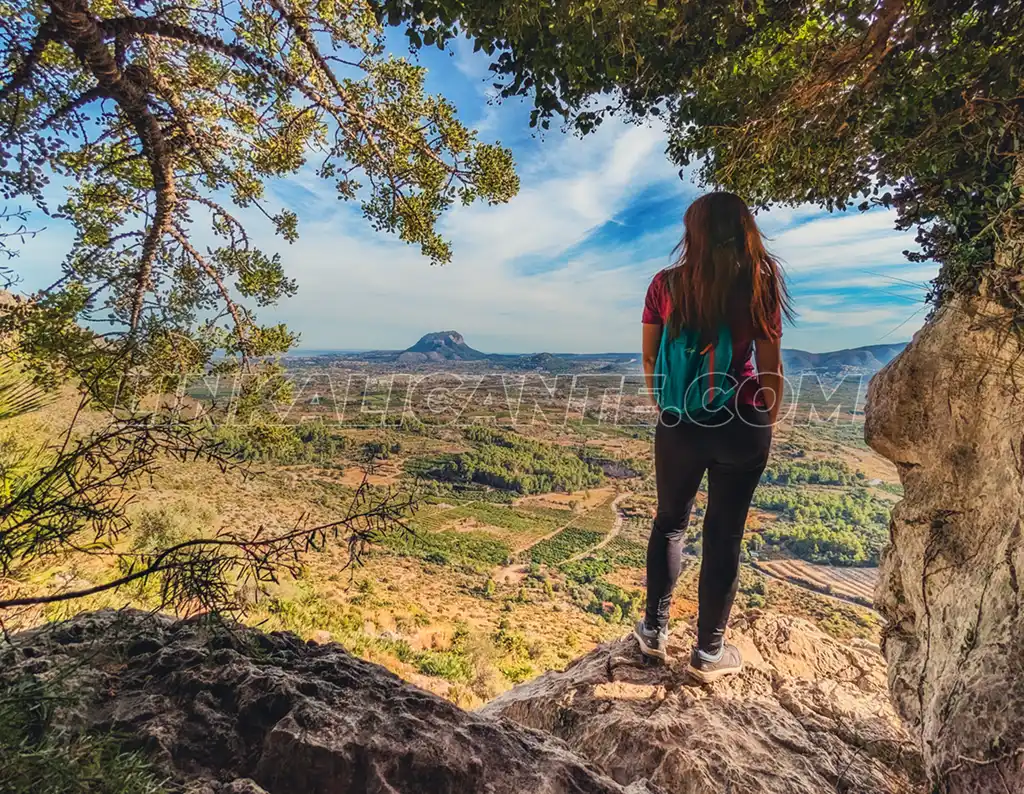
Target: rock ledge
808,715
247,713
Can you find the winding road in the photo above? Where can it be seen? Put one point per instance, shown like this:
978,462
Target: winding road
614,533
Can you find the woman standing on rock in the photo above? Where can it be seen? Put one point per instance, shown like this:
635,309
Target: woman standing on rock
706,319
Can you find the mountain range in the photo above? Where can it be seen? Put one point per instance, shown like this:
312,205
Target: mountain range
870,358
451,347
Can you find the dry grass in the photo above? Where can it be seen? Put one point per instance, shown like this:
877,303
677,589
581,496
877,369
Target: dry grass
583,500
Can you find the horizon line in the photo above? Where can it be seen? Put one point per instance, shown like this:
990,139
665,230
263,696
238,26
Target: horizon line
352,351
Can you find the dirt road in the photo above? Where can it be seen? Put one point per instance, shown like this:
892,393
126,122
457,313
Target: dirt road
614,533
517,572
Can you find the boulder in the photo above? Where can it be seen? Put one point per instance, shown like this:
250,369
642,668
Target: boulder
949,412
807,715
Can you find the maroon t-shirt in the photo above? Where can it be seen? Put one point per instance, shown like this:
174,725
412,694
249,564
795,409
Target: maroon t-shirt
658,309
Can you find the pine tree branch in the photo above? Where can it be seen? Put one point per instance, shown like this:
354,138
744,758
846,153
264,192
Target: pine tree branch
259,554
232,307
83,34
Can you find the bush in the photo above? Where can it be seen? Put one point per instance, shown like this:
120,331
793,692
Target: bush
308,442
450,665
514,653
592,593
517,671
159,529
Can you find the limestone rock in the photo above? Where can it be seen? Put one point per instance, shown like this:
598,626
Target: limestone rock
247,712
807,715
949,412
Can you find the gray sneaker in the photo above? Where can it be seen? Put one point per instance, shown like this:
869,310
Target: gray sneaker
709,672
652,643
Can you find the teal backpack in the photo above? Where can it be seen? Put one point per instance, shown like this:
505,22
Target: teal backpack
692,376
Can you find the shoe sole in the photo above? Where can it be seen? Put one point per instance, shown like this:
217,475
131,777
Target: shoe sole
647,650
709,677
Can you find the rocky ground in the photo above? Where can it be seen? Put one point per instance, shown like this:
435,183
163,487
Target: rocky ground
242,712
807,715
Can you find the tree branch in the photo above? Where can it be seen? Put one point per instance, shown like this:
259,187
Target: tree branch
181,116
23,74
73,594
82,32
210,271
294,541
77,104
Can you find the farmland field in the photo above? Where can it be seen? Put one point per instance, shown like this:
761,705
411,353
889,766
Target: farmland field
564,545
857,584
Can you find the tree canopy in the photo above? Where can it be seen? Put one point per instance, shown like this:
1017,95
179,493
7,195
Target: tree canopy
158,123
916,105
153,128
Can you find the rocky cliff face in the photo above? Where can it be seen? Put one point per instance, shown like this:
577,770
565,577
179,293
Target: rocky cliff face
808,715
249,713
949,412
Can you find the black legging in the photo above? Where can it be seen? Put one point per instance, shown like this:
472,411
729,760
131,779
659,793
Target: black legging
734,455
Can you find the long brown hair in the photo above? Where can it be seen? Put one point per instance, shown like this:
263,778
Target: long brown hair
722,259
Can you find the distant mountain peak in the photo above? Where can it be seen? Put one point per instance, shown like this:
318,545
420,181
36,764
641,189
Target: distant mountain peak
447,345
440,339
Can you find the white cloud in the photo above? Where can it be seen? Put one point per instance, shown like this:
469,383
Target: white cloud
902,276
845,241
572,187
358,289
859,318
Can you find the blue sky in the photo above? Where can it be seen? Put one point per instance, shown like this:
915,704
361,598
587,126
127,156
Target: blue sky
565,265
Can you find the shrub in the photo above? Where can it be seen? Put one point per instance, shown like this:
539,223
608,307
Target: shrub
38,756
517,671
450,665
592,593
308,442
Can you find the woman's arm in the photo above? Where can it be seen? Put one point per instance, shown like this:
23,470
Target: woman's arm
652,341
768,354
